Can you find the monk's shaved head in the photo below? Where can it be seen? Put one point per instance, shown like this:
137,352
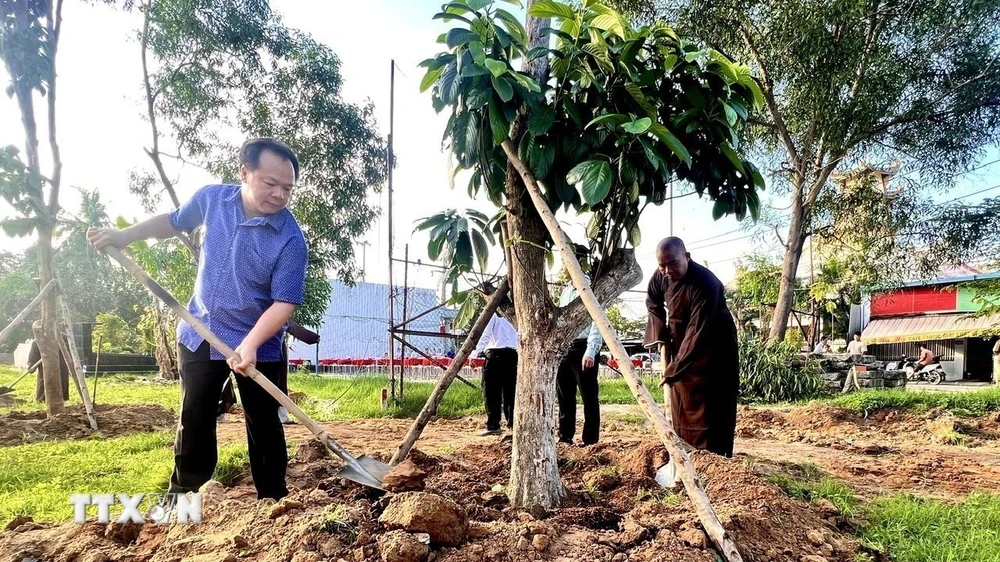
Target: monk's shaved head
672,257
671,243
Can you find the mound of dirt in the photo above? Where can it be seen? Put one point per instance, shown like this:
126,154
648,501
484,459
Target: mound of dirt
334,519
112,421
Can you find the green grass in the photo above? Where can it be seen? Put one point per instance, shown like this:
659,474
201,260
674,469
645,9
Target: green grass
919,530
37,479
111,389
810,484
974,403
616,391
908,528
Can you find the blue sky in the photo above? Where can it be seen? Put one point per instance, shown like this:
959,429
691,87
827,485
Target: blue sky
102,131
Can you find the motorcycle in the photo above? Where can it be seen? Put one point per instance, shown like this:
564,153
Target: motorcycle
932,373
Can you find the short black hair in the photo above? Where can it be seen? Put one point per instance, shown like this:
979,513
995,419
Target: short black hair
857,334
251,150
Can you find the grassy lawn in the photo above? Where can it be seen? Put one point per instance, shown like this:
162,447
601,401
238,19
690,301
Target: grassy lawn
327,398
911,529
975,403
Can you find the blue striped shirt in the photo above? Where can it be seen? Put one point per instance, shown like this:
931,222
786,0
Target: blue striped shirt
245,266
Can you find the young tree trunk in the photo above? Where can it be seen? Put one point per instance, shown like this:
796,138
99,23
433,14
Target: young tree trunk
786,291
47,342
164,357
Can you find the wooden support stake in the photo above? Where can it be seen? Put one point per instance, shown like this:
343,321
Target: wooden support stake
27,310
673,443
431,406
68,346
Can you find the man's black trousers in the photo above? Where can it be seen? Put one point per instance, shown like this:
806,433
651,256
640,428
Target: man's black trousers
196,449
499,381
571,376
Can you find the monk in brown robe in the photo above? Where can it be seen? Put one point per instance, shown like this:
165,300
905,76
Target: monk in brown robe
702,367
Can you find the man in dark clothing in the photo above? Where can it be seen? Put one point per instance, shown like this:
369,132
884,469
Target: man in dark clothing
700,336
579,369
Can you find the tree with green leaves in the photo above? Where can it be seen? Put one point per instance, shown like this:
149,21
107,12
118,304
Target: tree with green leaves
29,42
855,80
233,65
605,116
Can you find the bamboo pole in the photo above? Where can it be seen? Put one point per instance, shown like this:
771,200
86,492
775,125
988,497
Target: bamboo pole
431,406
68,346
27,310
673,443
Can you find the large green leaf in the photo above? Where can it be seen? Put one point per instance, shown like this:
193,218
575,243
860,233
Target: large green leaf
639,126
636,92
734,158
497,68
478,4
542,158
481,247
477,52
499,124
449,84
730,113
526,81
611,118
550,9
541,120
720,209
503,88
430,78
478,97
593,177
673,143
512,24
609,22
458,36
600,55
471,70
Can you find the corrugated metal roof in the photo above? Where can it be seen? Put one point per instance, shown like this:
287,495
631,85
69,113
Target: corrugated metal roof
929,327
356,323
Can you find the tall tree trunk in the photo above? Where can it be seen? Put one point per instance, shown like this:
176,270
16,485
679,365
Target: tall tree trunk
47,342
534,472
793,254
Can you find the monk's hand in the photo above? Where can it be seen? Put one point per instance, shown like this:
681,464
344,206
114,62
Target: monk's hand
588,362
246,357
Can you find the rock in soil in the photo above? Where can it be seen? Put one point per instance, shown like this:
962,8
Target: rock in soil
400,546
420,512
17,521
405,477
693,537
815,536
284,506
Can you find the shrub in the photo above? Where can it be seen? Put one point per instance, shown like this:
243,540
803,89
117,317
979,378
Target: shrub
766,374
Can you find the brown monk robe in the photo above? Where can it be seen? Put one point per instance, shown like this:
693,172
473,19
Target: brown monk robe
703,366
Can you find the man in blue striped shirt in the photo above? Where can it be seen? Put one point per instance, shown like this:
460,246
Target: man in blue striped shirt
251,276
578,369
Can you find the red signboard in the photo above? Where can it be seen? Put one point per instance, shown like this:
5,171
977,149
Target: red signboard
915,300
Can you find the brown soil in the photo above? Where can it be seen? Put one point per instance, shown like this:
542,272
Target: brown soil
634,520
17,428
614,510
933,455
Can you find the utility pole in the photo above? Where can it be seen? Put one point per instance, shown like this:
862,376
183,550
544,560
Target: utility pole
392,296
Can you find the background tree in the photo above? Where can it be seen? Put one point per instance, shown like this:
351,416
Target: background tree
211,66
605,120
855,80
627,328
29,42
